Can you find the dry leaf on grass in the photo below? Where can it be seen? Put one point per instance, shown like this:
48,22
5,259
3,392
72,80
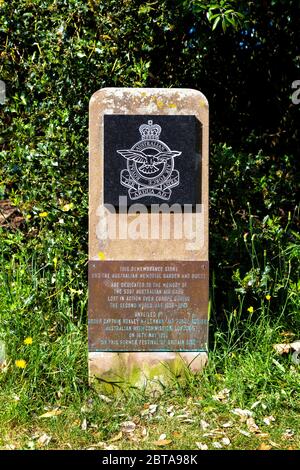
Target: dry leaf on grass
152,409
252,426
287,334
214,433
204,425
105,398
201,446
117,437
245,433
282,348
222,396
111,447
243,414
51,414
268,420
288,435
274,444
225,441
162,442
10,447
229,424
128,426
44,440
285,348
264,446
217,445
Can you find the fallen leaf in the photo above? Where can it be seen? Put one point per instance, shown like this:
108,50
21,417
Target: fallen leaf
288,435
268,419
10,446
84,425
262,435
44,439
222,396
225,441
295,345
217,445
287,334
243,414
152,409
264,446
255,404
201,446
282,348
274,444
163,442
105,398
214,433
251,425
111,447
229,424
204,425
117,437
245,433
51,413
128,426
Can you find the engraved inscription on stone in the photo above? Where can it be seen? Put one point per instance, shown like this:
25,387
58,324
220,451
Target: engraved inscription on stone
148,306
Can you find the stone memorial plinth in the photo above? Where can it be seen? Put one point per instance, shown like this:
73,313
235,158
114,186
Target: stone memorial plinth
148,233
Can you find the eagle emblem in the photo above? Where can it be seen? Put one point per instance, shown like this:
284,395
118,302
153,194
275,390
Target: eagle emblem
150,165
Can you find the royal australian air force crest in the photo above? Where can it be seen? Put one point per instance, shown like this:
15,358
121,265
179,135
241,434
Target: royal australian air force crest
150,166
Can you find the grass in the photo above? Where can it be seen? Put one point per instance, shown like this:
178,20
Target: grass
46,303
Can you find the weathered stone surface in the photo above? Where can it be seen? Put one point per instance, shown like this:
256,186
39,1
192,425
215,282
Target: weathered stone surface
140,366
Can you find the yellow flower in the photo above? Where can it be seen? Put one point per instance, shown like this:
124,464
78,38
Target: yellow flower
250,309
268,297
68,207
20,363
28,340
43,214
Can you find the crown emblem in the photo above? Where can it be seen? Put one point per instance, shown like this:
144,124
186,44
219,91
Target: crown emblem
150,131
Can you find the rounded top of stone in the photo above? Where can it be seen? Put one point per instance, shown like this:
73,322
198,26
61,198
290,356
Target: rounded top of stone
120,92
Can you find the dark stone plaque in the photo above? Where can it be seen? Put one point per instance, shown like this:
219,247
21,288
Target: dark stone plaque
152,159
148,306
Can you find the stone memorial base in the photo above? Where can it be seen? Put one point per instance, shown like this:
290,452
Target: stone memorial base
143,369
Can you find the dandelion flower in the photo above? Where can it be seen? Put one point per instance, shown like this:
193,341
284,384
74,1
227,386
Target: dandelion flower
250,309
268,297
28,340
20,363
43,214
68,207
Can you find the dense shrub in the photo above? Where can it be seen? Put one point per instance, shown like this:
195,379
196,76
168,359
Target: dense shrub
54,55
